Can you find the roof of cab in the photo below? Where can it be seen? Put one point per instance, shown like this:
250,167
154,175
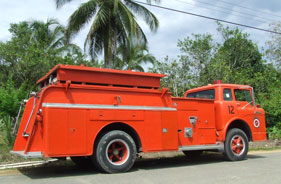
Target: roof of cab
213,86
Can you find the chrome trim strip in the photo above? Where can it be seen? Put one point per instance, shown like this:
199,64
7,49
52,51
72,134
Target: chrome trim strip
258,112
218,146
24,134
96,106
28,154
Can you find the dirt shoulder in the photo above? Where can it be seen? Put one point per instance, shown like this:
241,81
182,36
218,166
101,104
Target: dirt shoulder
265,145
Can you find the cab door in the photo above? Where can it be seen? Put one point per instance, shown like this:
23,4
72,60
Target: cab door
226,107
244,102
199,128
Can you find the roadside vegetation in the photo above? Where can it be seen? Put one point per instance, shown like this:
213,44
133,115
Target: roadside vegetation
36,46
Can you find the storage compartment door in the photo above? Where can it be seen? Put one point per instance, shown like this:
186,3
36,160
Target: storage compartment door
55,131
76,132
169,131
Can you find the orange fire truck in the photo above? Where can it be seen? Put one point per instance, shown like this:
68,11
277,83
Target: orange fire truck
106,117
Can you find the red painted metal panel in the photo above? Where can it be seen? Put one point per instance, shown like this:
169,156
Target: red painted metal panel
169,131
104,76
76,130
56,131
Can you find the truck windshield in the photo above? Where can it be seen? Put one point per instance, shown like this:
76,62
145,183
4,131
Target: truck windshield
243,95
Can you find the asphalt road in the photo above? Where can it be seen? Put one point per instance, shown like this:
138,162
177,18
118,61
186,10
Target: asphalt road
258,168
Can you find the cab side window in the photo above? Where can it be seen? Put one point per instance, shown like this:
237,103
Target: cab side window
227,95
207,94
243,95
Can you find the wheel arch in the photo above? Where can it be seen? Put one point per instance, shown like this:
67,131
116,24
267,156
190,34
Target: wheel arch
123,127
240,124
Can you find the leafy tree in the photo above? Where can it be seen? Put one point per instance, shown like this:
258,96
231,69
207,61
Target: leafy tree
271,102
35,47
236,59
197,52
10,98
232,59
113,24
132,55
273,51
178,77
51,39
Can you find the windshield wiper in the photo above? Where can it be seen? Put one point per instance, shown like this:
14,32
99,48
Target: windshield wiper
247,104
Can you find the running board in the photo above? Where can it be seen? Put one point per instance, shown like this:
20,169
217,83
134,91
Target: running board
28,154
219,146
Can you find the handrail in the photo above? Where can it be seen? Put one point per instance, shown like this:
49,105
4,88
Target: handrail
17,119
24,134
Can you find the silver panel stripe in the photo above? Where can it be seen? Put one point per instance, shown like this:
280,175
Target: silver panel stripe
219,146
28,154
96,106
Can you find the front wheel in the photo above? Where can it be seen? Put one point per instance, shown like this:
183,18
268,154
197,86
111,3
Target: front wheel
115,152
236,145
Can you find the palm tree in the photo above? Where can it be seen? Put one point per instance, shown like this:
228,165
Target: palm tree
132,55
50,37
113,23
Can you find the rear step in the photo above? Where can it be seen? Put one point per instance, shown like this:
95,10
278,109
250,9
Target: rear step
28,154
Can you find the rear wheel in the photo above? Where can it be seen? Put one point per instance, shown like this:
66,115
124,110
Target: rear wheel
115,152
236,145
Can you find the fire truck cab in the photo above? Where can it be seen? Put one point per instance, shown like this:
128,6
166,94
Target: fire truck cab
221,114
105,117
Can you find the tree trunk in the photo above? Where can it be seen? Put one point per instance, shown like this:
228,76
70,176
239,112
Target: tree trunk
108,55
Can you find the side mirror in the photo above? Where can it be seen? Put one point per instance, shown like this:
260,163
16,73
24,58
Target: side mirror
258,105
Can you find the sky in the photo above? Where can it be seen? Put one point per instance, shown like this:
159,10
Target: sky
173,26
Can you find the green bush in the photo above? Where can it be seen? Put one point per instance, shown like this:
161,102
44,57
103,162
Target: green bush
271,102
6,128
10,98
275,131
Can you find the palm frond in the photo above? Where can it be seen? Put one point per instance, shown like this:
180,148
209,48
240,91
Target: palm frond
60,3
94,37
80,17
156,1
130,24
143,12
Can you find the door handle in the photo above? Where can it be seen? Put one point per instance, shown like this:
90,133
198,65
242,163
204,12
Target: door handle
193,120
117,100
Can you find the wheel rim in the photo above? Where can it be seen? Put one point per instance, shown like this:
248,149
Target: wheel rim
117,152
237,145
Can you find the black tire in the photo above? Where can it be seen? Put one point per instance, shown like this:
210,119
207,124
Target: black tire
193,153
236,145
115,152
81,161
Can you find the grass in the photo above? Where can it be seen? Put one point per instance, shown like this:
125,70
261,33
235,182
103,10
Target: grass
6,156
265,148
